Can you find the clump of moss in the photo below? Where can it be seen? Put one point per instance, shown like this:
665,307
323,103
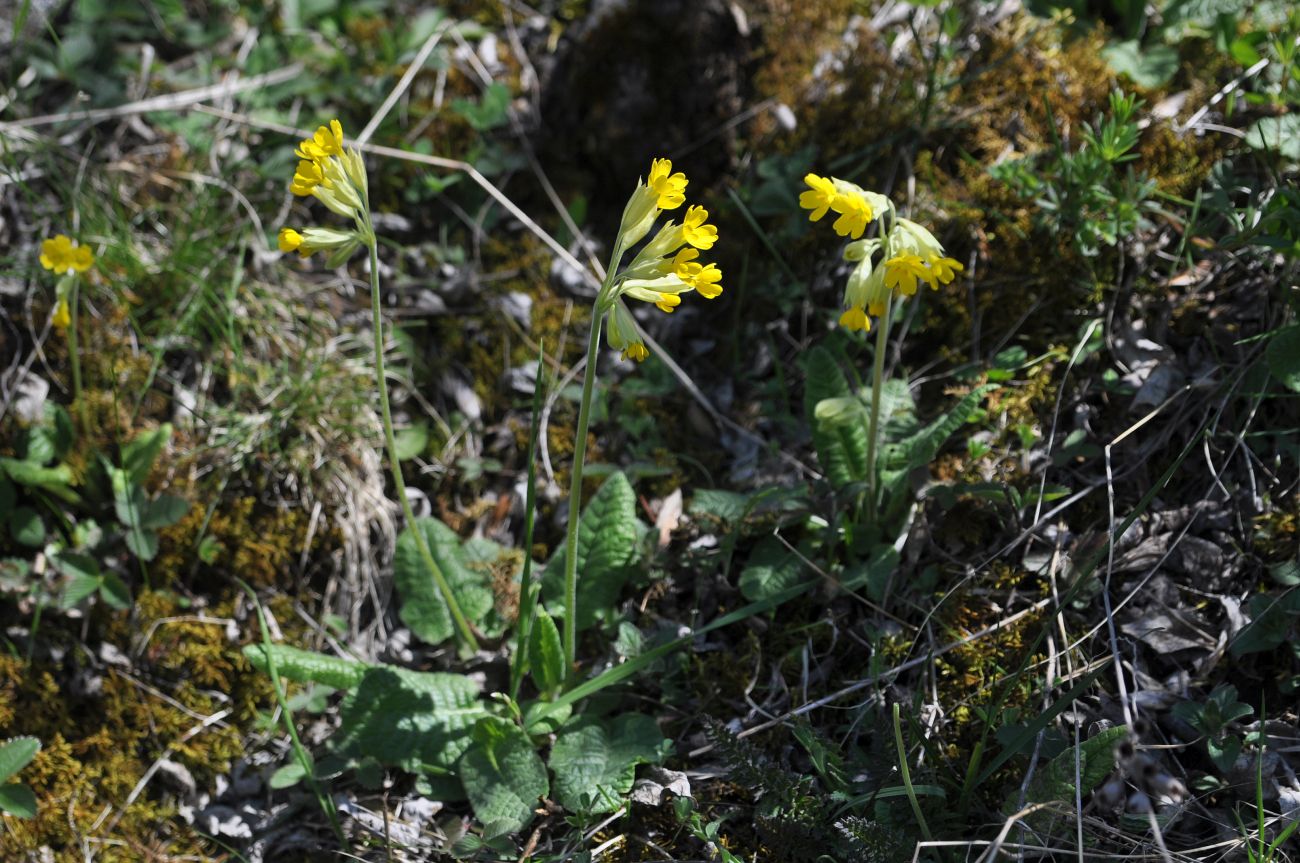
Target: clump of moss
98,745
795,33
259,541
980,673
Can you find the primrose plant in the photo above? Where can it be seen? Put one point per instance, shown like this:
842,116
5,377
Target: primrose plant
336,177
661,273
875,441
69,260
439,726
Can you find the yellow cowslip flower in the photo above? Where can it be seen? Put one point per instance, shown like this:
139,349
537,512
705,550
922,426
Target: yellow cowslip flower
325,143
903,271
682,261
664,292
666,267
704,279
944,269
855,213
62,316
330,173
311,240
855,318
662,190
622,333
695,232
307,177
669,187
62,254
819,198
290,241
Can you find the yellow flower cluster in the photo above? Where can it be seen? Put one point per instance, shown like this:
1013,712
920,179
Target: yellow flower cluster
335,176
910,253
666,267
62,254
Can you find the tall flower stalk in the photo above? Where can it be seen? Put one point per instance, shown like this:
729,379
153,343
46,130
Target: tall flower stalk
890,266
64,256
336,177
666,268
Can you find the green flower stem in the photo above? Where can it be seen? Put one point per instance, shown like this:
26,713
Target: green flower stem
74,356
466,641
598,310
877,384
906,772
575,498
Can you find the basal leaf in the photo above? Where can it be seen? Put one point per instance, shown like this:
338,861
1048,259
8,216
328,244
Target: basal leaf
1283,356
26,527
546,653
841,447
726,506
921,449
114,592
1096,758
56,480
594,760
771,569
80,587
503,776
130,505
307,666
139,455
607,548
1279,135
423,608
164,511
287,776
18,800
15,754
409,719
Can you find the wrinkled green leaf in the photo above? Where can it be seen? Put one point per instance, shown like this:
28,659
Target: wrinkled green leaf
1278,135
1283,356
423,608
26,527
771,569
503,776
139,455
114,592
77,589
56,480
725,506
1148,66
607,549
15,754
307,666
18,800
921,449
1096,761
411,440
594,760
409,719
164,511
841,447
546,653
